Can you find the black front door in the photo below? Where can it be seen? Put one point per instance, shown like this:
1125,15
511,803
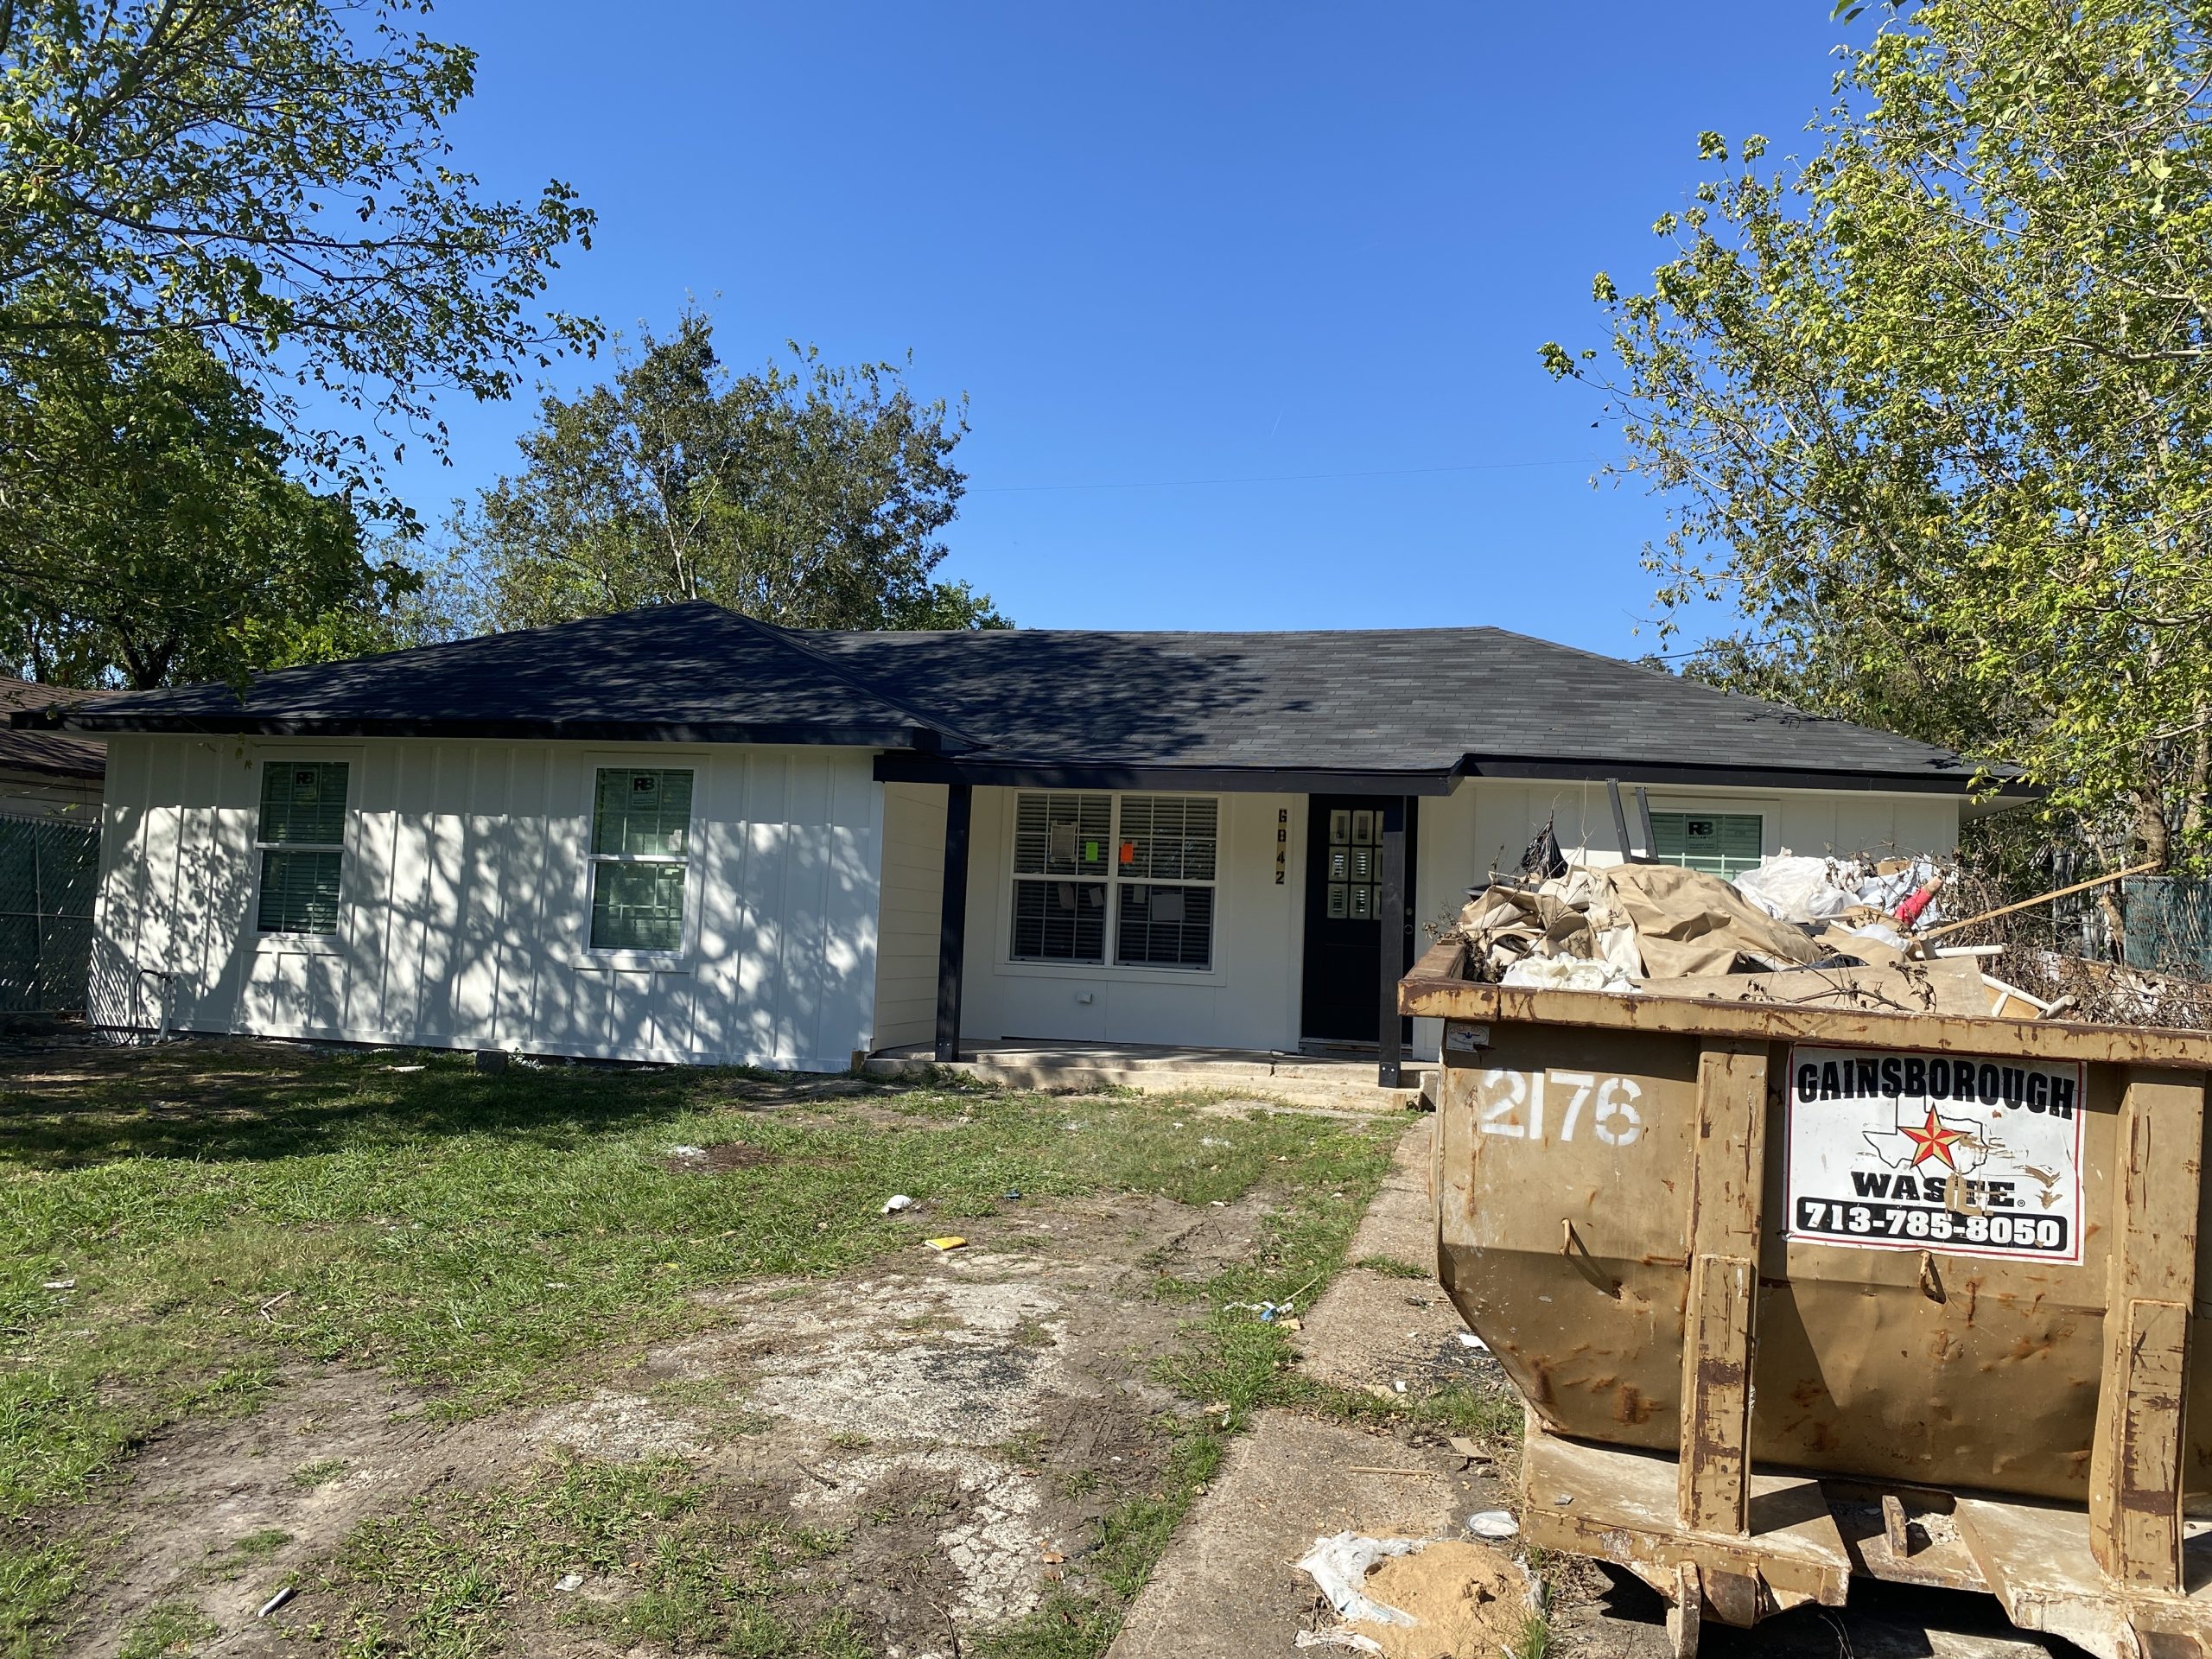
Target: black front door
1342,999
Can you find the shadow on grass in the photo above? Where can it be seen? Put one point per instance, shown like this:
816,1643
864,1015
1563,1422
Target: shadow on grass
242,1100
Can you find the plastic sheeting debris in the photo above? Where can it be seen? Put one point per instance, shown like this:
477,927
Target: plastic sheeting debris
1566,973
1340,1564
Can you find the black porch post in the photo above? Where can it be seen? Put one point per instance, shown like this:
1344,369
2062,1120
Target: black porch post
1390,919
952,924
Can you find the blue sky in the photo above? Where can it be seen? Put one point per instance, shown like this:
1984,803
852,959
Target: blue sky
1194,265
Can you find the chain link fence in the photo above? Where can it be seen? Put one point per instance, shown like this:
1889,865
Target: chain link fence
49,872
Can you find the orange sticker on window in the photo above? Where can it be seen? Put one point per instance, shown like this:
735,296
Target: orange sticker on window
1129,852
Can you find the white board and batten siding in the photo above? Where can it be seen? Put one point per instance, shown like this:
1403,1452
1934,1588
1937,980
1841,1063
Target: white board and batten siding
465,912
913,903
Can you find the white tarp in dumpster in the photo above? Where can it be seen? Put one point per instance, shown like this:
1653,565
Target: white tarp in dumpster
1963,1154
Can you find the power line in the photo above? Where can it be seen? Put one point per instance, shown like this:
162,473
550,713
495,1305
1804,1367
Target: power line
1280,478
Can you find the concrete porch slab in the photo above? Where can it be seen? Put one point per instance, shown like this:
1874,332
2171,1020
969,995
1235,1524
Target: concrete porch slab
1017,1063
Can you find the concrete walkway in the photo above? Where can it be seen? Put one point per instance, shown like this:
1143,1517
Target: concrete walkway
1229,1588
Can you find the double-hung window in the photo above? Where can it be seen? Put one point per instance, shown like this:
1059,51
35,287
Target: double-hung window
1719,843
640,850
1165,856
1063,861
1133,875
302,837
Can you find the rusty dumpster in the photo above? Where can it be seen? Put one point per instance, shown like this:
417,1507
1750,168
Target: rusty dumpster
1796,1294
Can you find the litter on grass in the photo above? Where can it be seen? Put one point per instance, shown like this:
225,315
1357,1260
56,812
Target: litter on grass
568,1582
1493,1524
1351,1639
895,1202
945,1243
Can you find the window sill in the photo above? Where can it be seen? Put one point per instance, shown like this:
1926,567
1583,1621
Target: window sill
1110,971
295,944
634,961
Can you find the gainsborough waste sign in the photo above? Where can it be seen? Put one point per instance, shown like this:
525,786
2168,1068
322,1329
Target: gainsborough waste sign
1972,1156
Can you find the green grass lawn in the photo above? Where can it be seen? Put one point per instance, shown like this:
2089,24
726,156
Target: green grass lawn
179,1224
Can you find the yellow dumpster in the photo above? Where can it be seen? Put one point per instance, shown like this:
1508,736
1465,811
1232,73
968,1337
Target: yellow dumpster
1794,1294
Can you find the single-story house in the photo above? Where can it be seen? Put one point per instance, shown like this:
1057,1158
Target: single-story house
680,834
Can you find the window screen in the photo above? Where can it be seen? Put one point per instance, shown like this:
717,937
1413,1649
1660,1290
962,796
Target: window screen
642,811
1140,867
1165,926
303,802
637,907
640,842
1719,843
1169,837
301,834
298,890
1063,834
1059,921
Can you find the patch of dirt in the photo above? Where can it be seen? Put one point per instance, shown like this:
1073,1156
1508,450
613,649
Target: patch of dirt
614,1428
334,1447
1465,1600
719,1161
962,1421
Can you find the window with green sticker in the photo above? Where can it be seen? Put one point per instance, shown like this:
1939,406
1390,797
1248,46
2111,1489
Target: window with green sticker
1719,843
640,845
301,836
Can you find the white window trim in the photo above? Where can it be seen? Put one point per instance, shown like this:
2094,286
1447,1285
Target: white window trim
683,959
1766,809
322,944
1008,964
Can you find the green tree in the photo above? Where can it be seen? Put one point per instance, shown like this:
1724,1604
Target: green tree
271,176
154,536
1929,408
811,497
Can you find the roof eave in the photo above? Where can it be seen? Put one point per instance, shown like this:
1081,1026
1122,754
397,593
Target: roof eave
1959,779
920,738
1005,773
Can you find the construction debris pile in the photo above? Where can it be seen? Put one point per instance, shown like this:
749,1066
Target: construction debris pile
1820,930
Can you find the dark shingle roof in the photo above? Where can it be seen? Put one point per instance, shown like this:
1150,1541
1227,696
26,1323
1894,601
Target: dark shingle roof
1416,700
675,673
1398,700
48,752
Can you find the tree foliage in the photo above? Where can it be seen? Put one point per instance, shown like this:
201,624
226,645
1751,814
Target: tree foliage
811,497
270,177
154,535
1930,406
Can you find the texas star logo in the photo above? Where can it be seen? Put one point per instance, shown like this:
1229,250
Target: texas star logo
1910,1145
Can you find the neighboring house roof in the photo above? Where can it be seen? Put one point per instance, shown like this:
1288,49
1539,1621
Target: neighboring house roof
47,753
1404,709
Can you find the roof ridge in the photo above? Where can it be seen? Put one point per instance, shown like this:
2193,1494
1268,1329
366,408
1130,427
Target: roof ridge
788,639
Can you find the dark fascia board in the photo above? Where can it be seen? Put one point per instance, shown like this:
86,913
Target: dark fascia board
1958,782
918,769
1107,774
601,731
